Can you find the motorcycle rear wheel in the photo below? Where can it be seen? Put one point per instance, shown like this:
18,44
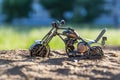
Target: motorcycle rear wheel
95,52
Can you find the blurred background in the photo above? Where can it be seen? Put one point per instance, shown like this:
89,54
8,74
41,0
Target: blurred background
23,21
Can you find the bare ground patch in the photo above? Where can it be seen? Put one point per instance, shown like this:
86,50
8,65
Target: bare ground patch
18,65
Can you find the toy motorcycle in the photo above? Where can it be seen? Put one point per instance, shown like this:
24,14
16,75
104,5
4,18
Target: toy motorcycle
70,37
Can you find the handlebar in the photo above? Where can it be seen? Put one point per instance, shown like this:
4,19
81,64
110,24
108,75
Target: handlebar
57,24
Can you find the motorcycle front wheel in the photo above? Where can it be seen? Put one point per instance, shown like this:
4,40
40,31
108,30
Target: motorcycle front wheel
40,50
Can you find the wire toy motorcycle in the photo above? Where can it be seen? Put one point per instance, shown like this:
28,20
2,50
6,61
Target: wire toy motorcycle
70,37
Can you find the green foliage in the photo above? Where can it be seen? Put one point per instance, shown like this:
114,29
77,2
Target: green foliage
22,38
16,8
57,7
91,10
83,10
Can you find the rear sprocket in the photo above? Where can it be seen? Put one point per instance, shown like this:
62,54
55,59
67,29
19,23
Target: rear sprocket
95,52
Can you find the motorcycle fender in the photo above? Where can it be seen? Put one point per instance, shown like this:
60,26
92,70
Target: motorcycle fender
35,43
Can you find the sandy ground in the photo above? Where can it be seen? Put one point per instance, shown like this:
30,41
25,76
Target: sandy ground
18,65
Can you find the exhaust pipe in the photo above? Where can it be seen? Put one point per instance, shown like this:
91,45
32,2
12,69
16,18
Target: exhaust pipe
100,35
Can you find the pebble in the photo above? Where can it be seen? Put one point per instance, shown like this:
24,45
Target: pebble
75,60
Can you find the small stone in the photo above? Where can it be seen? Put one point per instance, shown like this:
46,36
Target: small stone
104,70
115,54
75,60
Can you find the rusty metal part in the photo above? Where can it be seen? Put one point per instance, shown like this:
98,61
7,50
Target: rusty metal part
40,50
82,48
95,52
104,39
70,34
62,22
34,49
69,45
56,25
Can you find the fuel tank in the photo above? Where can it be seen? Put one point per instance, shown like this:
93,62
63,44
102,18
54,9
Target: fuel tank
71,33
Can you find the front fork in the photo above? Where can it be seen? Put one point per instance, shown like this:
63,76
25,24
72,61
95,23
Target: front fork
45,41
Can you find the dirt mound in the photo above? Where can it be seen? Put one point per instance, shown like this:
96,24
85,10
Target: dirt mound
18,65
